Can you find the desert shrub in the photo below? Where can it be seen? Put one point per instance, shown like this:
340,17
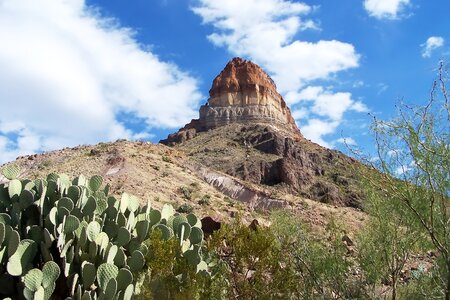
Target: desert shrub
413,157
185,208
284,261
205,200
186,192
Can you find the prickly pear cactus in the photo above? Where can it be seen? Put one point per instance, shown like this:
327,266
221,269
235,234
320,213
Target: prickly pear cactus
62,238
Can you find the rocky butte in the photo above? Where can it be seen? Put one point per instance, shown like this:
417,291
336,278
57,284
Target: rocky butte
247,131
241,93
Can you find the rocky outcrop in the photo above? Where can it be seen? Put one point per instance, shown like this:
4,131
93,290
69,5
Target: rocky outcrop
241,93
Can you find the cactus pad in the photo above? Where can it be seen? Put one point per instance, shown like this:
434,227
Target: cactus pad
33,279
51,273
95,183
11,171
105,273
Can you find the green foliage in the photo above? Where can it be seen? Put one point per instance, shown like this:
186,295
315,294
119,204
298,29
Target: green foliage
205,200
186,192
283,261
414,158
72,235
185,208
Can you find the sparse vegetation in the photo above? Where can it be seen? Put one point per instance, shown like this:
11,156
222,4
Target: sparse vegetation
205,200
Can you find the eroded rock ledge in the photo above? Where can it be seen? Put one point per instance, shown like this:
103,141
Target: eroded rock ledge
241,93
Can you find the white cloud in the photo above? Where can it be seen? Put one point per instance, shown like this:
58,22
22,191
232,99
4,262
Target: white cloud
432,43
264,31
67,73
315,129
385,9
316,101
346,141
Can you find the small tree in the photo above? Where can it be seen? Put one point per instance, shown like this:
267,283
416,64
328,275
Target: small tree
386,242
414,157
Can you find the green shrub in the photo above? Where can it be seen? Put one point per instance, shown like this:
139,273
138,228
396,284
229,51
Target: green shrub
186,192
205,200
185,208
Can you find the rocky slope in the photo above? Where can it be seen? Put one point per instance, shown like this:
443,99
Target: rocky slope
247,131
161,174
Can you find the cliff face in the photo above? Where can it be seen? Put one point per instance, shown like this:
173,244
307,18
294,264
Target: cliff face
241,93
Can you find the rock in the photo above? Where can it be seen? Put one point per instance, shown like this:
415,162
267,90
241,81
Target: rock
209,226
241,93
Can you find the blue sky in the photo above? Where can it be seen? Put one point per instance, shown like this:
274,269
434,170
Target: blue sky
80,72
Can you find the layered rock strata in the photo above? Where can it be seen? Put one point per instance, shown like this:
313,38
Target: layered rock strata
241,93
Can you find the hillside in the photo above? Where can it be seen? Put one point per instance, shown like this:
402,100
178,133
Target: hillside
160,174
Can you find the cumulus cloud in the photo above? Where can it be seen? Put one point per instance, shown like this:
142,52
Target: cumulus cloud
67,73
385,9
316,101
264,31
432,43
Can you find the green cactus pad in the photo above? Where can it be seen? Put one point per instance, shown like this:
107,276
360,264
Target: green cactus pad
128,294
142,228
124,279
13,239
112,252
111,289
111,212
62,213
121,220
5,219
186,245
165,231
14,188
74,193
48,291
90,206
26,198
66,203
101,206
80,180
111,229
136,261
124,201
167,211
102,241
194,221
93,230
123,237
33,279
53,176
39,294
196,236
131,222
177,220
29,295
51,273
121,259
71,224
133,203
22,257
11,171
183,231
95,183
105,273
88,274
192,257
36,233
2,234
